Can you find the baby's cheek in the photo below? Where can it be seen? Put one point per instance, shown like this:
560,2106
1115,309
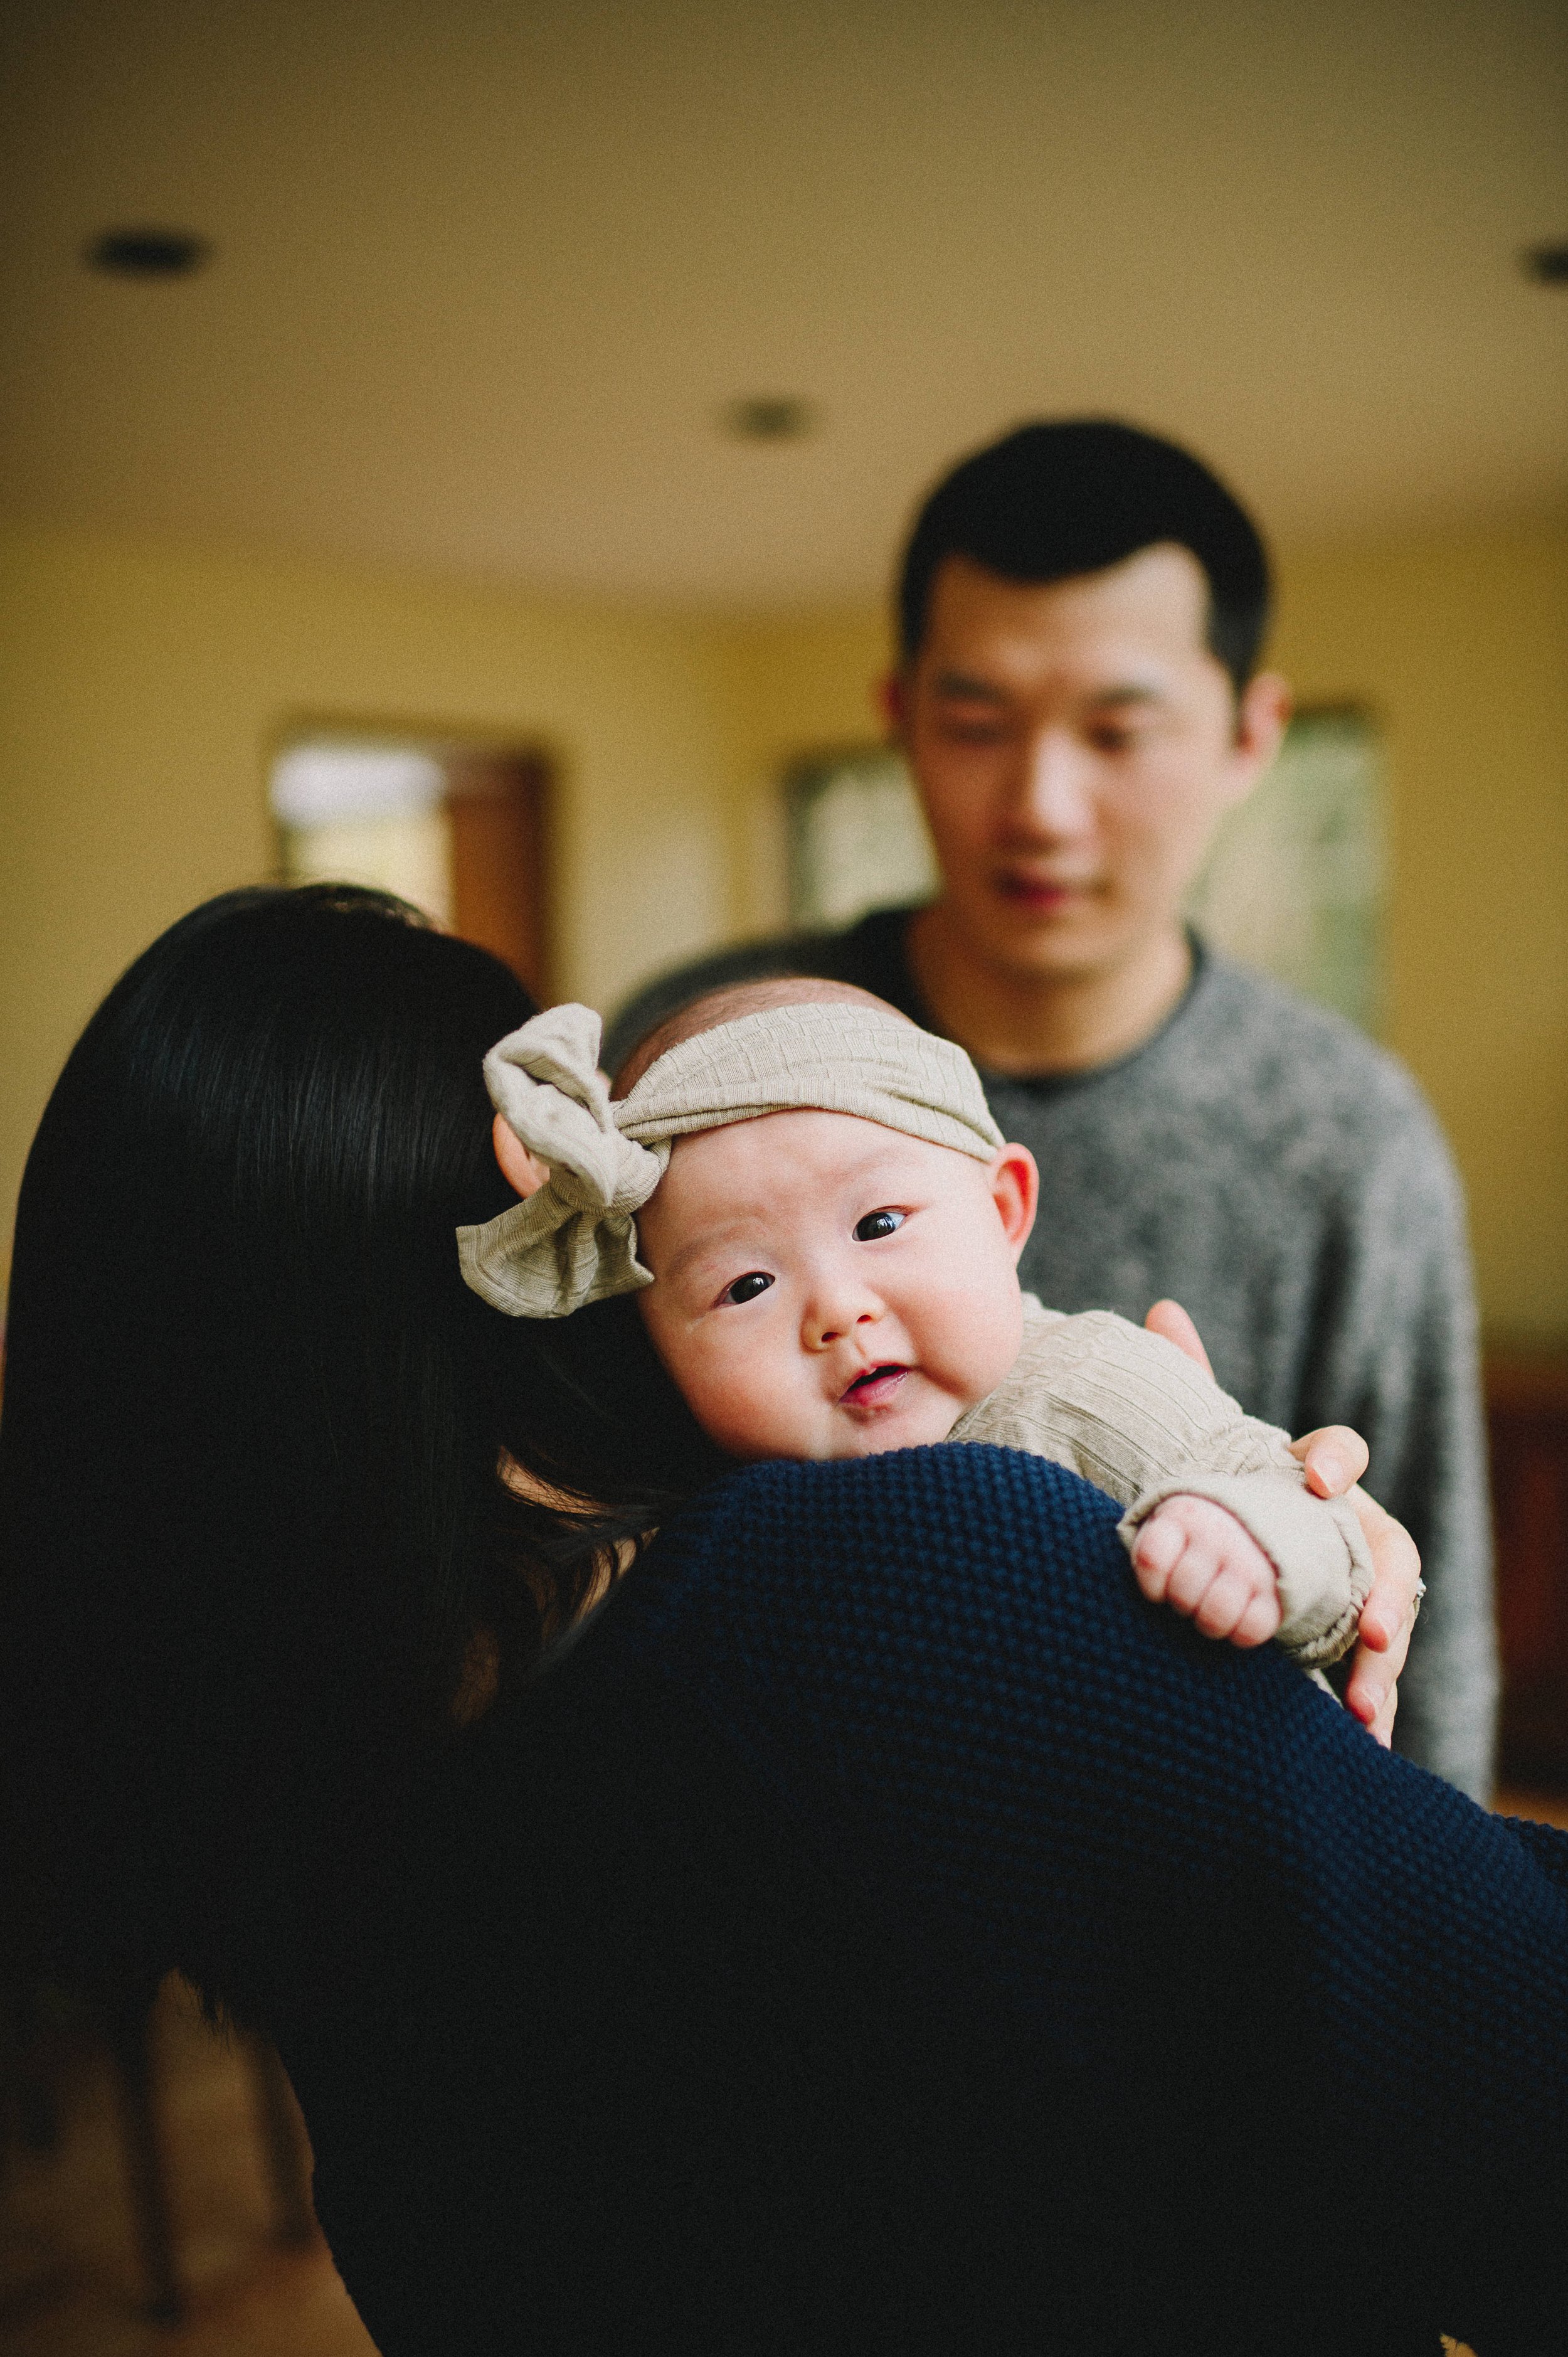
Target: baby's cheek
690,1369
976,1338
734,1403
746,1425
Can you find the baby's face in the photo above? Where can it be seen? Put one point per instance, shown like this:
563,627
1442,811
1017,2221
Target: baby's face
827,1287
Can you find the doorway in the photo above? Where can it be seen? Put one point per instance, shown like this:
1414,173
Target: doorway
459,829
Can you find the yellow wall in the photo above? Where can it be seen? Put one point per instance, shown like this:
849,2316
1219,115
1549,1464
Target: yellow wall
143,687
1461,647
795,685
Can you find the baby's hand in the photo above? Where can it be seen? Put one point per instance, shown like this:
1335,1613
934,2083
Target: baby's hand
1196,1557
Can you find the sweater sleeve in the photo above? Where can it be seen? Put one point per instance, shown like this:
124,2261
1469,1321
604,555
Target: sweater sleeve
1395,1355
1129,1413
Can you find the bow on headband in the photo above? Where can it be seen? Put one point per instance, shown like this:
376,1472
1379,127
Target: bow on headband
575,1240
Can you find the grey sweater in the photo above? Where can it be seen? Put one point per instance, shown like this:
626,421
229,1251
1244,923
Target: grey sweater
1282,1178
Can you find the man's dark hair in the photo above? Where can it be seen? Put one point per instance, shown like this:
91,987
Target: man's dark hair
1050,501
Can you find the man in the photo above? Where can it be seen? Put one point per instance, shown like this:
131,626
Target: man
1080,611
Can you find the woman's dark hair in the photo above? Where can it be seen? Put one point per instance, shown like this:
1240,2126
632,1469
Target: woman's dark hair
256,1528
1050,501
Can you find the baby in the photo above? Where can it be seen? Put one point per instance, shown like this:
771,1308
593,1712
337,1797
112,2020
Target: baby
823,1224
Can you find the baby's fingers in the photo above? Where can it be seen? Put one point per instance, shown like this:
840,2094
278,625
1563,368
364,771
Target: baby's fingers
1242,1601
1155,1554
1181,1545
1195,1557
1188,1589
1259,1621
1227,1600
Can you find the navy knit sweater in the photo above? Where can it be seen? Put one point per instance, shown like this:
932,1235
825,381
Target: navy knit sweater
882,1930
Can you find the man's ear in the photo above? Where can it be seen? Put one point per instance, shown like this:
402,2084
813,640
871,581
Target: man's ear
893,702
1016,1192
522,1171
1263,715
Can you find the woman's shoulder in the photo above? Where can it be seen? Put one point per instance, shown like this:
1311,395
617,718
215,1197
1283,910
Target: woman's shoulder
840,1630
867,1561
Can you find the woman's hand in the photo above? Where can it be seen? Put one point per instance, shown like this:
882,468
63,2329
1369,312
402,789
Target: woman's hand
1335,1459
1388,1615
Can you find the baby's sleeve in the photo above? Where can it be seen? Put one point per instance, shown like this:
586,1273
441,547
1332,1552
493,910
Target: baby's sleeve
1130,1413
1322,1564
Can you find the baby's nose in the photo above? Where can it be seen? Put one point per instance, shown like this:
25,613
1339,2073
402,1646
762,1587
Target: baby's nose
836,1309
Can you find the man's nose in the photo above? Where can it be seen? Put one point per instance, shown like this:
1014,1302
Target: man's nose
1053,793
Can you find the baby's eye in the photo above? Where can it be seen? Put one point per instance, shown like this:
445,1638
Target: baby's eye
878,1223
748,1288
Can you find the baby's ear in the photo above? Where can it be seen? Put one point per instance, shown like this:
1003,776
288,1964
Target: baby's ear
1016,1192
522,1171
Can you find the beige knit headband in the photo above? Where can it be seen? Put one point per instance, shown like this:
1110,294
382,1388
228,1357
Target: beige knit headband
575,1240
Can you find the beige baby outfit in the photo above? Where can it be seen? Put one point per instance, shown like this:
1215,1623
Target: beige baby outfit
1139,1419
1123,1407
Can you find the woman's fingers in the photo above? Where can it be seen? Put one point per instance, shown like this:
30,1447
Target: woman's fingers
1169,1318
1334,1457
1383,1706
1387,1620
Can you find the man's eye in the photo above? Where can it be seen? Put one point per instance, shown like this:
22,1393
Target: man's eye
748,1288
878,1223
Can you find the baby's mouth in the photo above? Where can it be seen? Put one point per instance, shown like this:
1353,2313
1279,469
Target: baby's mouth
875,1388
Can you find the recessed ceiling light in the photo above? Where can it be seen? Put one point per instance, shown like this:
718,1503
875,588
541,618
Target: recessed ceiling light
1547,264
148,253
769,418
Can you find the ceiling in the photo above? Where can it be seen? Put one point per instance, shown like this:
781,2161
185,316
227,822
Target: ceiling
487,272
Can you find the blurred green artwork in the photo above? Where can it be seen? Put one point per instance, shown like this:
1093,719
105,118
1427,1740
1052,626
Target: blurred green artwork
856,838
1296,881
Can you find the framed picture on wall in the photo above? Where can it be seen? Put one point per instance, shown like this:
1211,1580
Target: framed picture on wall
1296,881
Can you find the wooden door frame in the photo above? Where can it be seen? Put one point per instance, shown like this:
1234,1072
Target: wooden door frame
535,762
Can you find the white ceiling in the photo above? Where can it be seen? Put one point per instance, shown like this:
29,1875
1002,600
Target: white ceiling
487,272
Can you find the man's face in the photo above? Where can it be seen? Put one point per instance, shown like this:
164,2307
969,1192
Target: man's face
1074,744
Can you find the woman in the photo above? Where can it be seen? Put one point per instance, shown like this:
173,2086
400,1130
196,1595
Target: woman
872,1928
